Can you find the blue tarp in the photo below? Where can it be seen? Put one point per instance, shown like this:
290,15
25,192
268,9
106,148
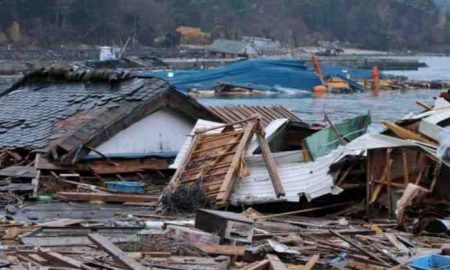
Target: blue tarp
267,75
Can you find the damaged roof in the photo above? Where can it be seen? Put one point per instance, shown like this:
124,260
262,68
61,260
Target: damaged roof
230,114
61,110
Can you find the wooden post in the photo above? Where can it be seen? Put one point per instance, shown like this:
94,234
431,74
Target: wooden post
270,162
227,184
405,168
368,182
388,180
115,252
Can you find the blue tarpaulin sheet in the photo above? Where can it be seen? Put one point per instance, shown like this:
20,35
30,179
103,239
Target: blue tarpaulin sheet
267,75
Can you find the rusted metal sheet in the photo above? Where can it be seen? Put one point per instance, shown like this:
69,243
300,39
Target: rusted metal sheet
230,114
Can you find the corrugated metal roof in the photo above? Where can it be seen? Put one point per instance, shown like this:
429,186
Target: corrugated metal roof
374,141
230,114
298,177
430,127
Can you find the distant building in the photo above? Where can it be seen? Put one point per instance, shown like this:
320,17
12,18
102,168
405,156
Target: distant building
246,47
232,48
265,46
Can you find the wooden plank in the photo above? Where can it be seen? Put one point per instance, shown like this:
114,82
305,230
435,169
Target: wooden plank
275,262
128,166
363,250
363,266
38,259
63,222
260,265
86,197
270,162
227,185
222,249
64,259
406,134
396,243
306,155
388,180
405,167
115,252
302,211
309,265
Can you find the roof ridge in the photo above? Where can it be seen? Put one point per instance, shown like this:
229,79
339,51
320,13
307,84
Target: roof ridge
72,74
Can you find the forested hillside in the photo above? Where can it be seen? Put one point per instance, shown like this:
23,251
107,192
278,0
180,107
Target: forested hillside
375,24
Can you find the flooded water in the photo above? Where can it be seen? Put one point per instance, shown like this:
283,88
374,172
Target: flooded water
389,105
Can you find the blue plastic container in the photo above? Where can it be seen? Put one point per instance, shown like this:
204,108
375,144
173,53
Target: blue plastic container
431,262
126,187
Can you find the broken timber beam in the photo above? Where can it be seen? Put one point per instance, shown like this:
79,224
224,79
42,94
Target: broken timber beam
363,250
227,184
275,262
115,252
270,162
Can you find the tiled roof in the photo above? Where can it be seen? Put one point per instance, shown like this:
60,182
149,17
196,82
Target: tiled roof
38,113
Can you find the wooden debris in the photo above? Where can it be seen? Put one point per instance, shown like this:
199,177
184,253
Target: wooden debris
215,160
114,251
275,262
308,266
63,222
260,265
270,162
222,249
406,134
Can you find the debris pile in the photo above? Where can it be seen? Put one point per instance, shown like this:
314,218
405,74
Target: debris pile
111,171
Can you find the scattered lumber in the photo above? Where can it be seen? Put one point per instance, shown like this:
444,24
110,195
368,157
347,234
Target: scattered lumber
115,252
275,262
222,249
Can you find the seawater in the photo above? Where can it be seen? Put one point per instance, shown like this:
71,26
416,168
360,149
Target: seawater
389,105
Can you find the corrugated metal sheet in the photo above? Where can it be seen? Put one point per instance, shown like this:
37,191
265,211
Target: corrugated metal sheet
230,114
374,141
430,127
308,178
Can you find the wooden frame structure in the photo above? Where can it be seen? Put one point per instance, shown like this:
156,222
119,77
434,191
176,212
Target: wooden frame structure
215,160
389,169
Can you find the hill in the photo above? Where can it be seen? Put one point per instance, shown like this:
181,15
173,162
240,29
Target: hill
373,24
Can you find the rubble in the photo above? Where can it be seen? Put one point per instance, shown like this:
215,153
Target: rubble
120,172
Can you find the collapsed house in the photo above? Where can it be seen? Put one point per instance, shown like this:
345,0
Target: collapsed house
242,164
56,119
82,128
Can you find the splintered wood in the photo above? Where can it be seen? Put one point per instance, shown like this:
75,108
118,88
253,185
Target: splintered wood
215,160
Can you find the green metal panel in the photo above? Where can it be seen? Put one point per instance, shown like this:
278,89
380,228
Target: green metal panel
323,142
